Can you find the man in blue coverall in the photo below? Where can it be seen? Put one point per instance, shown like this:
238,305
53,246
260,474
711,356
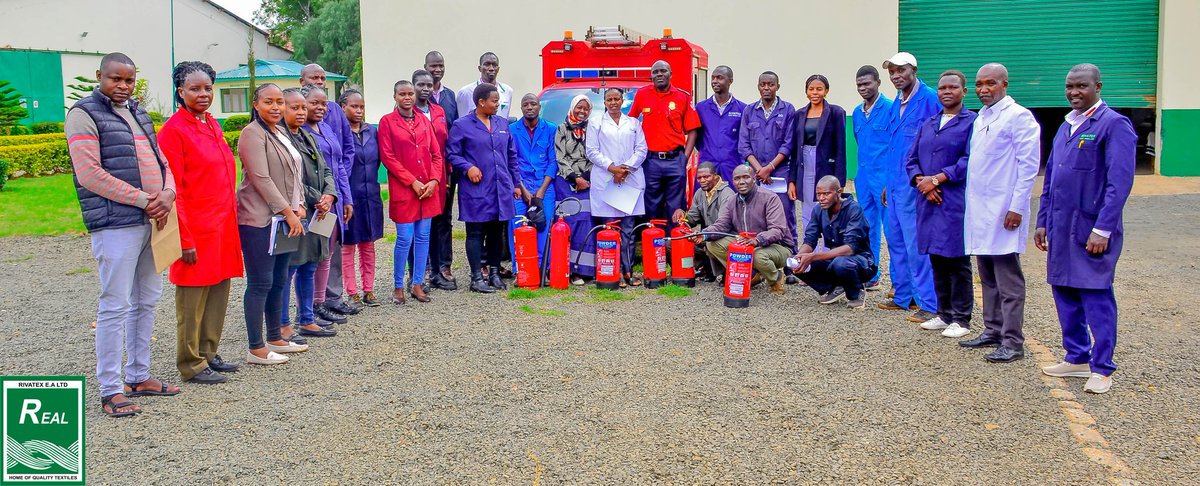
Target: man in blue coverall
871,134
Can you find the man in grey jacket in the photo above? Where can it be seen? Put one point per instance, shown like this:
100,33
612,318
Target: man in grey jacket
706,207
755,210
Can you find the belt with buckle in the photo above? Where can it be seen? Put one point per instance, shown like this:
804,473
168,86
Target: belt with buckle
670,154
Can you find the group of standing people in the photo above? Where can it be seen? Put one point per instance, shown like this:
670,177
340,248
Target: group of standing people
942,184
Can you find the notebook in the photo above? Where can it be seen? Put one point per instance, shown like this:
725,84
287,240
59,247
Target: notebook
280,242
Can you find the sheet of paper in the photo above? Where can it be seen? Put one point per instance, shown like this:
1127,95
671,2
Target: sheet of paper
778,185
164,243
323,227
622,197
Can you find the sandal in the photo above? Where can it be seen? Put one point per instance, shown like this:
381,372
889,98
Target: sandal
634,281
162,391
113,408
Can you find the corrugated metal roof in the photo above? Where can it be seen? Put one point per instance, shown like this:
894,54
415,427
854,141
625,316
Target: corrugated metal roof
271,69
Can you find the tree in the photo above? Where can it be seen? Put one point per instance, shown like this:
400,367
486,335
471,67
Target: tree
82,89
11,109
326,32
332,39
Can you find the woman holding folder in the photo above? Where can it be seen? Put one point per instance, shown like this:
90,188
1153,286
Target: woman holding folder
617,147
319,198
270,199
205,178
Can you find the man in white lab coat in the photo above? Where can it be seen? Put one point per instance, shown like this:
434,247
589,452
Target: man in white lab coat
1005,154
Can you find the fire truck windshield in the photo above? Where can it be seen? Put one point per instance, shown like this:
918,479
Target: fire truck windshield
554,102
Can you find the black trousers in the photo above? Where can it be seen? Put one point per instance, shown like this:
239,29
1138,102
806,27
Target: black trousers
1003,284
955,292
441,251
486,237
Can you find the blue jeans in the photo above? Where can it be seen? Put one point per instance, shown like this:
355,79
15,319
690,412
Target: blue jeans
411,237
303,274
848,272
129,289
265,278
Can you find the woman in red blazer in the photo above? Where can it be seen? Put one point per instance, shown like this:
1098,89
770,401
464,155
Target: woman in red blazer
409,148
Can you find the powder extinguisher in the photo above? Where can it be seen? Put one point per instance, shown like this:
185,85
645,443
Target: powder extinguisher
608,256
738,268
683,255
654,254
560,251
525,254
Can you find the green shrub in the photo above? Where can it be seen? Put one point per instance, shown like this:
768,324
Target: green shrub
38,158
32,139
15,130
235,123
232,139
3,172
156,117
47,127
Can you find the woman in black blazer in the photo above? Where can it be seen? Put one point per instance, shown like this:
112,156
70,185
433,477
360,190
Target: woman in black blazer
818,146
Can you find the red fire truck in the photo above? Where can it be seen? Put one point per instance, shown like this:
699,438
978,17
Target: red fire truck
617,57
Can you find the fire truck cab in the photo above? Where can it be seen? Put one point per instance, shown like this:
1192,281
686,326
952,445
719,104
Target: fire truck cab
615,57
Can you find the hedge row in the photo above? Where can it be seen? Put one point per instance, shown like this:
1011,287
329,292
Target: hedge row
32,139
37,159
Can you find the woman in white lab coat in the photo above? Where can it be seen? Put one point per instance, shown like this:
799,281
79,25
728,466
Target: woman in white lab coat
617,147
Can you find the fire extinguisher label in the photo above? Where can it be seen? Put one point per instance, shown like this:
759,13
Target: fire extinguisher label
741,257
606,269
685,262
660,242
736,288
606,245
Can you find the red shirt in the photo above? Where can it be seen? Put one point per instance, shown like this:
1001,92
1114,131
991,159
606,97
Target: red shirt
666,117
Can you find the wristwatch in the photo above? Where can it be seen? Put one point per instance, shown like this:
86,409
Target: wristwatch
935,180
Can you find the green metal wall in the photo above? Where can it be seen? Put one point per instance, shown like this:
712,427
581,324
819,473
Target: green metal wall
1039,41
38,77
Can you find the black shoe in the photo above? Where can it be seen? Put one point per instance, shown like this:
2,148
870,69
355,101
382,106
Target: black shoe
983,341
832,296
343,308
322,322
440,282
496,279
324,332
478,284
706,278
207,376
296,339
220,365
1005,354
504,273
792,280
329,315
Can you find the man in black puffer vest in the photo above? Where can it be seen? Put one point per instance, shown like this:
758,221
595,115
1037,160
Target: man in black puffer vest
123,183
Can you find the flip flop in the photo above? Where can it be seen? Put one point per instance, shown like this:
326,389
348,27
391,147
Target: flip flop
163,390
108,401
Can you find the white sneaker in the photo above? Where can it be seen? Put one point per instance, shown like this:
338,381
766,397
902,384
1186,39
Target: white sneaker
934,324
1098,383
271,359
289,348
955,331
1065,369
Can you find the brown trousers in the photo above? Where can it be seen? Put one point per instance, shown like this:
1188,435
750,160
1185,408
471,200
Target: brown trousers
200,318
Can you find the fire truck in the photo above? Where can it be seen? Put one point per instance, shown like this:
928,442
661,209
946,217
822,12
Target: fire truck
617,57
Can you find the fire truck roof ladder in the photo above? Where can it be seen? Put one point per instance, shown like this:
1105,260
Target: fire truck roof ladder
618,35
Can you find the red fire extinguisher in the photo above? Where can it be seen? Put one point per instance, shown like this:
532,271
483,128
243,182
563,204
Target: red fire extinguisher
525,254
738,268
608,256
654,254
683,254
560,252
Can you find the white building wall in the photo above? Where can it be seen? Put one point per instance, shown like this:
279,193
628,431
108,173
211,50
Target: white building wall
794,38
139,28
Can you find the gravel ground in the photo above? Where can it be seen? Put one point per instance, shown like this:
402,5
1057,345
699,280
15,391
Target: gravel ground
472,389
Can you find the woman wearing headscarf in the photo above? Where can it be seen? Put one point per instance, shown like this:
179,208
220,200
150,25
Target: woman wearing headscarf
408,147
573,181
319,198
205,178
482,150
272,185
617,148
366,226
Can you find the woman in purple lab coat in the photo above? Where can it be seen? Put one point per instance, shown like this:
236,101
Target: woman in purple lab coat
481,148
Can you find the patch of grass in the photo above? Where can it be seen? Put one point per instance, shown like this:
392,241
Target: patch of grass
533,294
40,206
542,312
458,234
80,270
674,291
19,259
637,267
606,295
569,298
389,237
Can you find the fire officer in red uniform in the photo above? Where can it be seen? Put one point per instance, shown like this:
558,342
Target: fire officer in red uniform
669,122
